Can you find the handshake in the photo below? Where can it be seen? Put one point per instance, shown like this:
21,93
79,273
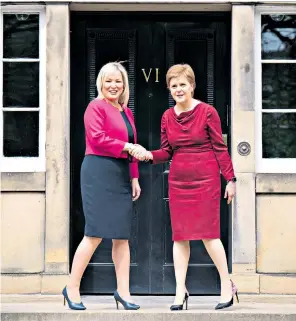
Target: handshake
139,152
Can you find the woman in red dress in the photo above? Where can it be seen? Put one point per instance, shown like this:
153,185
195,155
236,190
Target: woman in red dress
191,136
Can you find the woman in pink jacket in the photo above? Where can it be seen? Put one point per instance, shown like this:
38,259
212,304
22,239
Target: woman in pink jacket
109,183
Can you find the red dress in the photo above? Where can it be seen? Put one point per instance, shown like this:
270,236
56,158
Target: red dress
194,142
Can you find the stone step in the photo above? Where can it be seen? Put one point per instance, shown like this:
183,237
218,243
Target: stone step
103,308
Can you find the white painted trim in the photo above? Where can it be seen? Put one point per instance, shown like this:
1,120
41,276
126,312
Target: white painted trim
272,111
277,166
27,164
20,60
42,89
22,164
263,165
258,92
20,108
277,61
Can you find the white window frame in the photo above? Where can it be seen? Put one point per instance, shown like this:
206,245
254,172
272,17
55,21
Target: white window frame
27,164
265,165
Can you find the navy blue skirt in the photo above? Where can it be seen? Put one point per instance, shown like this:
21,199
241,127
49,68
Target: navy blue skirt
106,197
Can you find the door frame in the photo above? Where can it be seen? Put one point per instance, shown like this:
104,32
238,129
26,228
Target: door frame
57,206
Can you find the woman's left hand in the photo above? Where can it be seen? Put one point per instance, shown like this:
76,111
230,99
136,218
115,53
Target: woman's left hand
230,191
136,189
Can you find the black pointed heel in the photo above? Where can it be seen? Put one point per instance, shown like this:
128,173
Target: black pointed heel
228,304
224,305
72,305
125,304
236,297
179,307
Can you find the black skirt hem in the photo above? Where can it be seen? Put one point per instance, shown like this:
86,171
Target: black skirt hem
107,237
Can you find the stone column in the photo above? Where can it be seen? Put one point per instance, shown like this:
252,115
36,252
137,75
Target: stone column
243,130
57,145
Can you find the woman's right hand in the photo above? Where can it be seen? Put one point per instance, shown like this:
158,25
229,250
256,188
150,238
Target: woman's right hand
138,152
148,156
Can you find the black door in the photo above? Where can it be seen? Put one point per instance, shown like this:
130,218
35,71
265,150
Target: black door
148,45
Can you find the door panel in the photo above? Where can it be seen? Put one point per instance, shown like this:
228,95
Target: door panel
148,47
196,47
99,42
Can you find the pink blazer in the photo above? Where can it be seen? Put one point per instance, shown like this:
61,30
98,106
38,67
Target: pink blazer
106,132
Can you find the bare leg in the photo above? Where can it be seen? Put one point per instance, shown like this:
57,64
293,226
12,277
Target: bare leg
181,253
121,259
81,259
217,253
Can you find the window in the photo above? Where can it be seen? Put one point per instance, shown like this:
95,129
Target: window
22,79
276,90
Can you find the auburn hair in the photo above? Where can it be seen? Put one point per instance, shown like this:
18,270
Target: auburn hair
181,70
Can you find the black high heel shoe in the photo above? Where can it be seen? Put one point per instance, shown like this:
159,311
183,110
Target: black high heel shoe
228,304
125,304
178,307
72,305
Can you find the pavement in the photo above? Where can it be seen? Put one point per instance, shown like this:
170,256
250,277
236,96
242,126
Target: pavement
153,308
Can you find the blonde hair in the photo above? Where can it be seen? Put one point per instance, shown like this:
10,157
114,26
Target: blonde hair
181,70
107,69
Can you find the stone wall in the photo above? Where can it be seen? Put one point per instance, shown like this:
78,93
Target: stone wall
35,206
